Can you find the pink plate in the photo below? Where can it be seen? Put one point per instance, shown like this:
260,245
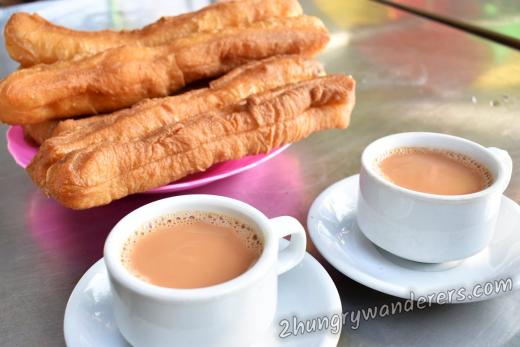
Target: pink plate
23,152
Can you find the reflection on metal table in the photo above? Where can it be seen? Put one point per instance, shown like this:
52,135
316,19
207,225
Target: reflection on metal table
413,75
498,20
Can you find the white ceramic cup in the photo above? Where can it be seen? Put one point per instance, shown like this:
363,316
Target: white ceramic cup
426,227
233,313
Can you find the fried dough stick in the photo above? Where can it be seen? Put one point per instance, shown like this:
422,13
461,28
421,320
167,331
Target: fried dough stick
147,117
271,72
120,77
99,174
31,40
39,132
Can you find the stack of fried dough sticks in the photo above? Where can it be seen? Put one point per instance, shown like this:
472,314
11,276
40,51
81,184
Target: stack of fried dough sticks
114,113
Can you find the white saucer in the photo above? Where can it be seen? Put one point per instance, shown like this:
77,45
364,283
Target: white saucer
333,229
307,291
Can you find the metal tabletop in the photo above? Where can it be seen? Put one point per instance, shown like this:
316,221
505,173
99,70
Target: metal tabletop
499,16
413,75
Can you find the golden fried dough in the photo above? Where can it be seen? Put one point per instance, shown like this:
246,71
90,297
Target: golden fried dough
149,116
120,77
31,40
40,132
72,124
98,174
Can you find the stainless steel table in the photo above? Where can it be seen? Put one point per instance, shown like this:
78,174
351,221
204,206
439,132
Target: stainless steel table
412,74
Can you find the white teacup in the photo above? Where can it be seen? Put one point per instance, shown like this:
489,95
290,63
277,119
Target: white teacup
233,313
426,227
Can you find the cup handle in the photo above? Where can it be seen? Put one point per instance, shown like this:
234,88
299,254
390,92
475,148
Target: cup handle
505,160
293,254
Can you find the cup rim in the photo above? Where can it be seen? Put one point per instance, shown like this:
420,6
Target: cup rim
495,185
120,233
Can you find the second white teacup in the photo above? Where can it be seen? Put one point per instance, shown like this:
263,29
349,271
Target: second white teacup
425,227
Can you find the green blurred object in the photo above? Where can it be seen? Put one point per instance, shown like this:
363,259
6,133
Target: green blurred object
115,15
490,9
496,20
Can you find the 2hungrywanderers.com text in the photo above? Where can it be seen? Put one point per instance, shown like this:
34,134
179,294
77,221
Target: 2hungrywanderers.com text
295,326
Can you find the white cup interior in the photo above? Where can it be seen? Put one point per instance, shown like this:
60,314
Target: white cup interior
382,146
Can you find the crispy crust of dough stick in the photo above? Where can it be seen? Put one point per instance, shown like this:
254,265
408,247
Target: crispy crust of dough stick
147,117
40,132
120,77
99,174
31,40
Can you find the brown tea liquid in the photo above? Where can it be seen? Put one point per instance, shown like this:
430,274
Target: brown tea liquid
434,171
192,250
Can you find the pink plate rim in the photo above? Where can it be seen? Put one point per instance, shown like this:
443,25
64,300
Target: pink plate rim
16,144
